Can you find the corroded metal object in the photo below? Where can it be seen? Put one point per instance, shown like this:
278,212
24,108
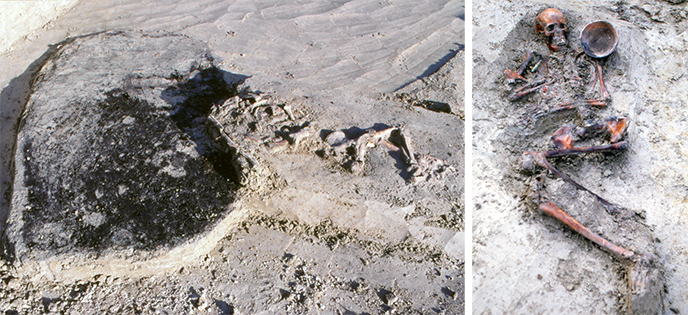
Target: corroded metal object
599,39
551,24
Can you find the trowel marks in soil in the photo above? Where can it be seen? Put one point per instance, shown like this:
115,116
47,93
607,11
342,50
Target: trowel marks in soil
112,152
533,121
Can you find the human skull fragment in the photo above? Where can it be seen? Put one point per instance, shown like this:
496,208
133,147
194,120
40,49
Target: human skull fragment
551,24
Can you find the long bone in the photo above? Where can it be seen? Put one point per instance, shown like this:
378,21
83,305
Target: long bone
527,89
553,210
641,270
563,138
621,145
512,76
597,76
603,88
541,159
373,138
574,104
643,273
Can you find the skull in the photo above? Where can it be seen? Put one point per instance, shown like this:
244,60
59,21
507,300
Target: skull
552,23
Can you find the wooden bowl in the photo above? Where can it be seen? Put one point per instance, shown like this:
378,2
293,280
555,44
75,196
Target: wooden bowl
599,39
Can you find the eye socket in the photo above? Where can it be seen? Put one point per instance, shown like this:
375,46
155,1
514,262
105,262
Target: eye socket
550,27
562,25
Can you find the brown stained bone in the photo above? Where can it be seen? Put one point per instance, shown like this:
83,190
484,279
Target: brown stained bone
512,77
593,76
540,197
551,24
644,277
591,129
518,75
616,127
527,89
563,137
645,274
574,104
530,159
622,145
553,210
603,88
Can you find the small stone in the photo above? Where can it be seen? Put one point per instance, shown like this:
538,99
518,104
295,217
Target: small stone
450,293
336,138
128,120
388,297
194,297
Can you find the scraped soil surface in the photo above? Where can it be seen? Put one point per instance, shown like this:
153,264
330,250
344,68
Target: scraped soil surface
528,262
296,232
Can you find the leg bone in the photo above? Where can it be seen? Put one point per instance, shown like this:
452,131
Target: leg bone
553,210
540,158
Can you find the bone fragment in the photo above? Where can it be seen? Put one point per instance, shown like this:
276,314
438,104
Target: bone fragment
553,210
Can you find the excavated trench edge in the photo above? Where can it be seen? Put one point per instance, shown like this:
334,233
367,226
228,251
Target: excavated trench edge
78,265
74,268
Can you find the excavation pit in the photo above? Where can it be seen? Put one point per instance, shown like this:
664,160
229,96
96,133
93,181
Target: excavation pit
116,155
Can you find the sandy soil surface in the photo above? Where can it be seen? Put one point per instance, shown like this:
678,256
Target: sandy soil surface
321,240
21,18
526,262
